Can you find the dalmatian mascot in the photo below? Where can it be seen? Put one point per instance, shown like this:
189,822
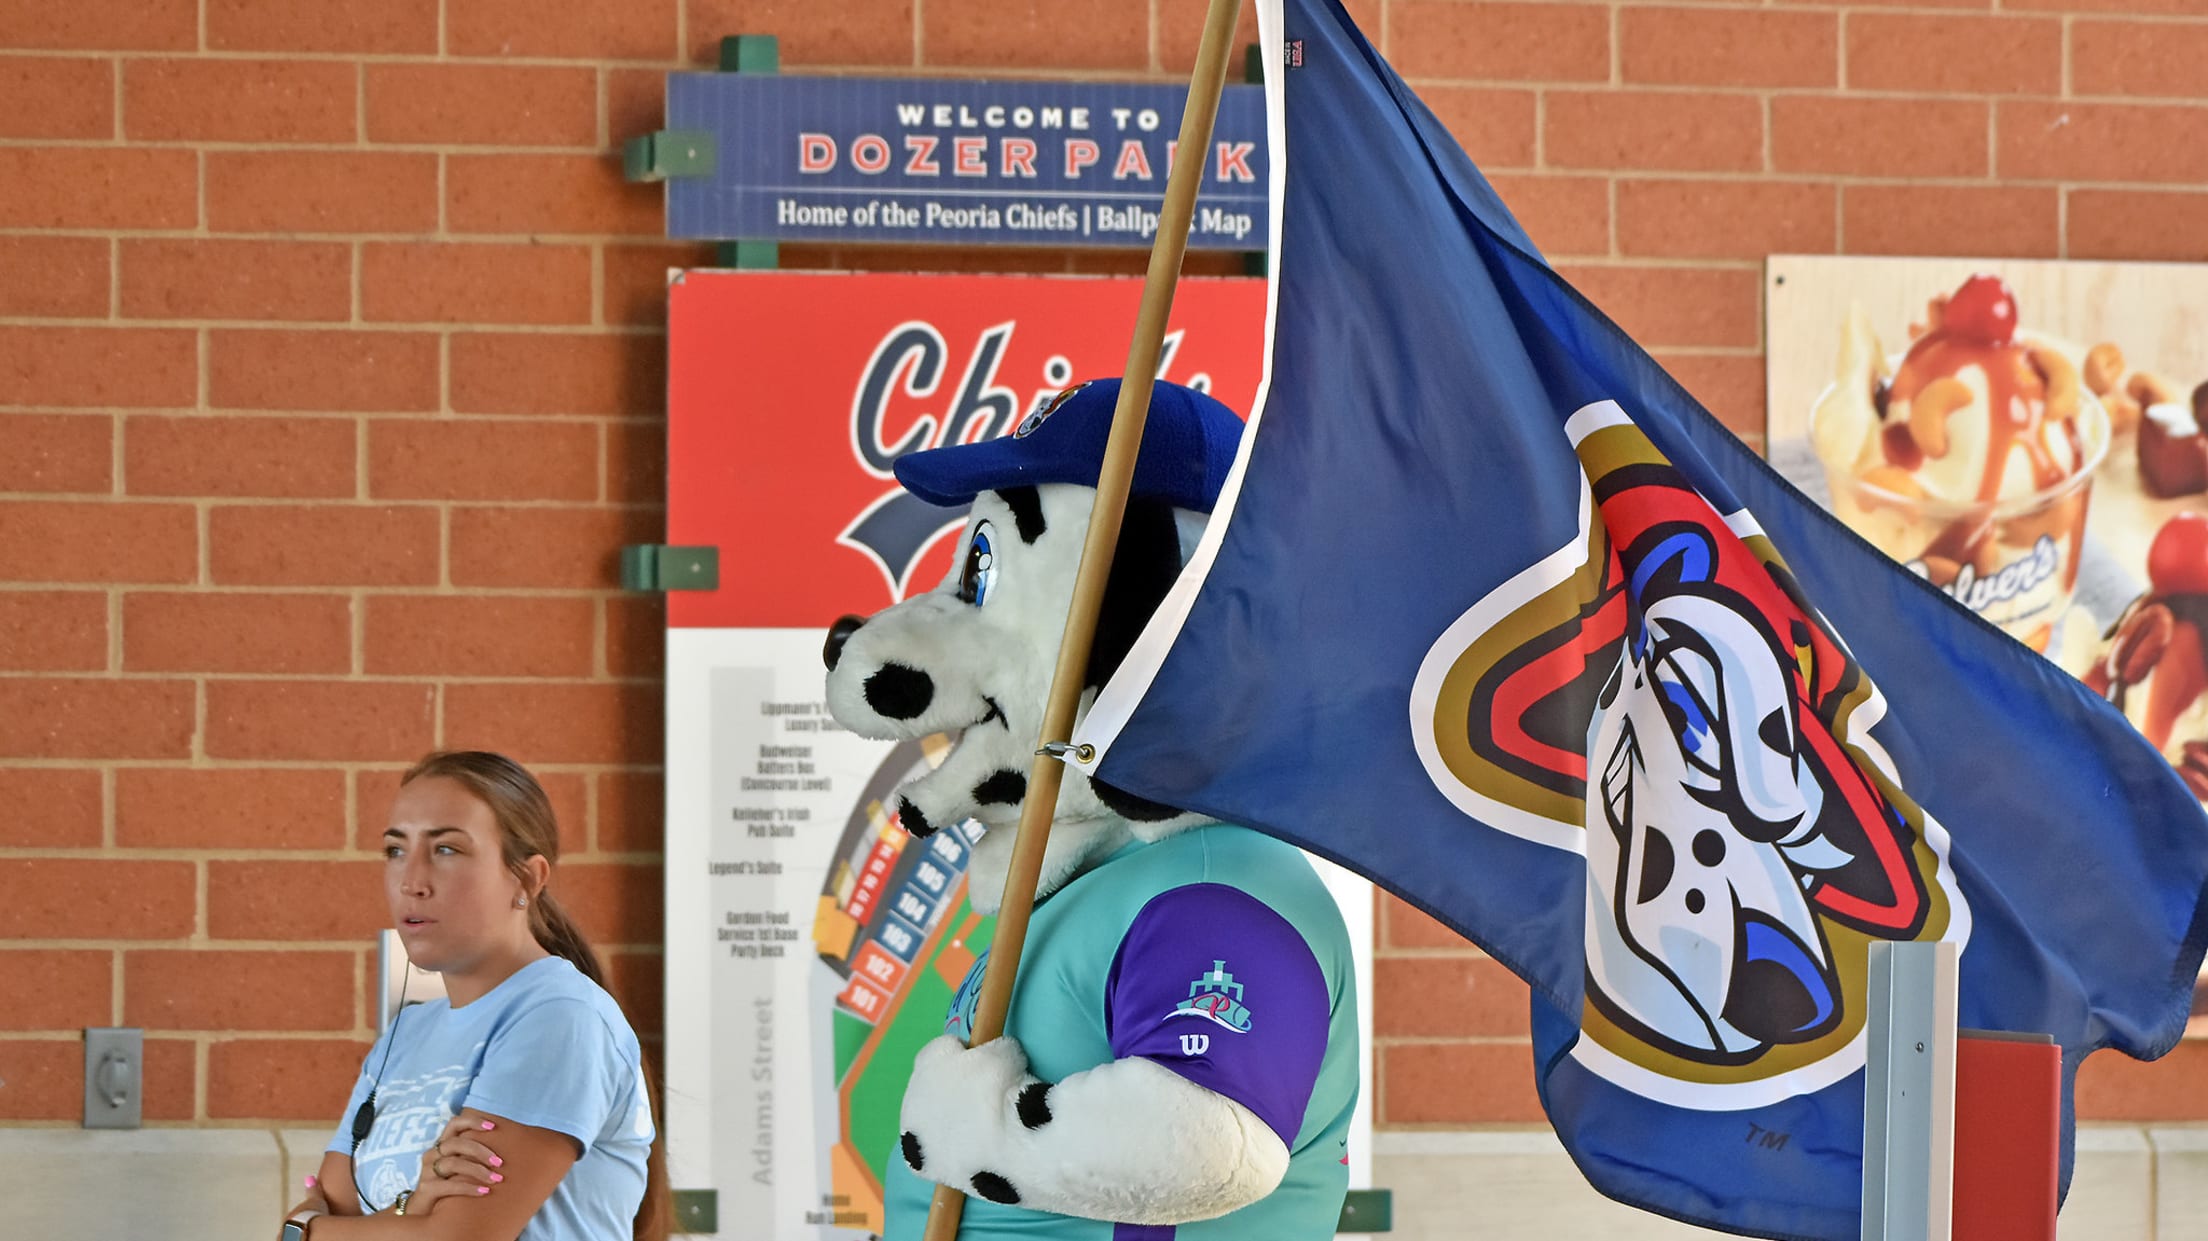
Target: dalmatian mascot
1180,1058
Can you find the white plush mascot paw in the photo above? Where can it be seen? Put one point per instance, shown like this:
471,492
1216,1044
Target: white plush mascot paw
1128,1140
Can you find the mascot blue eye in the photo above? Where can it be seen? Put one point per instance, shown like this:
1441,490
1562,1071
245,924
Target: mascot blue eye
979,571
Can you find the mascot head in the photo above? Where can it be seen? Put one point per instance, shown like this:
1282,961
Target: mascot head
973,657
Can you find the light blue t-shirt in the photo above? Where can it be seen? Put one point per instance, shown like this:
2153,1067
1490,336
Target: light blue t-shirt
547,1048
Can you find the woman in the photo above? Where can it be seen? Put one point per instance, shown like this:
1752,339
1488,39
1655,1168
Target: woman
518,1107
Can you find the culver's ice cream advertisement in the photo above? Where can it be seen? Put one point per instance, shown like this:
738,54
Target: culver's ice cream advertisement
2027,436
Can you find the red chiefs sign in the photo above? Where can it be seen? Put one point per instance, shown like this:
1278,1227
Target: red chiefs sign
789,395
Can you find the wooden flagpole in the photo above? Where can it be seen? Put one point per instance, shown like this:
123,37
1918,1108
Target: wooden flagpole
1045,774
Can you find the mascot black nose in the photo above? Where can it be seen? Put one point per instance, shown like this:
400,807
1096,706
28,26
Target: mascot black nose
898,692
838,634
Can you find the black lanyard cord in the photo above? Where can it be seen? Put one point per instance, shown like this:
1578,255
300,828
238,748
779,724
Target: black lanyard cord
364,1120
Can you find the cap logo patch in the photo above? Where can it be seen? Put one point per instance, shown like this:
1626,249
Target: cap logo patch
1046,409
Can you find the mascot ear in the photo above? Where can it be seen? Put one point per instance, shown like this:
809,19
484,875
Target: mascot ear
1144,566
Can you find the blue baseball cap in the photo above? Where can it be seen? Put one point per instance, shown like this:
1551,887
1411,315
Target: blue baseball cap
1188,443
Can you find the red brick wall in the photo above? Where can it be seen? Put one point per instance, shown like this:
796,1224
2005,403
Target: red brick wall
330,383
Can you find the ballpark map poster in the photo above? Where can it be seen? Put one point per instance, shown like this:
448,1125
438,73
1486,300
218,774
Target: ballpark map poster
813,945
2028,436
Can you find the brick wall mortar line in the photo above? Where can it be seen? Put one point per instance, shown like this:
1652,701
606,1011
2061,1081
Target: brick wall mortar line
115,632
115,987
423,59
241,945
354,767
199,936
412,327
107,808
637,240
240,145
351,766
636,507
2062,222
339,590
200,1050
600,668
1841,68
1617,46
598,283
237,678
115,71
175,853
199,720
360,460
1541,129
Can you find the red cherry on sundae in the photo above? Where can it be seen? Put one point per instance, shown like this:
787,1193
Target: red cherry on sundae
2177,564
1983,309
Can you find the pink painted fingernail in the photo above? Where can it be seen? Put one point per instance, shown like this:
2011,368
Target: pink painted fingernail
482,1189
489,1125
310,1180
496,1178
496,1162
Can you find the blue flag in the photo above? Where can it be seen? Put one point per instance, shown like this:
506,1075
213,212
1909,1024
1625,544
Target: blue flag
1494,613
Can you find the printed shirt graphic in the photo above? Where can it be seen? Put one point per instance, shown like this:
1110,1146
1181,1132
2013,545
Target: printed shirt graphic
1112,963
545,1048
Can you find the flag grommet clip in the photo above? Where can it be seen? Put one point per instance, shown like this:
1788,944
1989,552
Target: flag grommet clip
1060,749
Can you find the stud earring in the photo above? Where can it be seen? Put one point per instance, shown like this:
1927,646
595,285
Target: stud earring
521,902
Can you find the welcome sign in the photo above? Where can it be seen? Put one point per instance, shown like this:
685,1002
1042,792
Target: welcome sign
958,162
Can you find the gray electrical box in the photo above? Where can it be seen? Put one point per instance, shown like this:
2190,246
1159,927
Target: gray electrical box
114,1077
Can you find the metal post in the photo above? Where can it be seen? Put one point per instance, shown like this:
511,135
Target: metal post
1909,1093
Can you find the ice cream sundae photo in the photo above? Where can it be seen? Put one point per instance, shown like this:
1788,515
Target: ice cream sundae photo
1970,456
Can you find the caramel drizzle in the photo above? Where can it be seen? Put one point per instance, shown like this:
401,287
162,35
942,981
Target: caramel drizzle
2016,399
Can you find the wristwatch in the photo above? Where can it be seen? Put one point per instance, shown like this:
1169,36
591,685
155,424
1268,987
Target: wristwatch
295,1228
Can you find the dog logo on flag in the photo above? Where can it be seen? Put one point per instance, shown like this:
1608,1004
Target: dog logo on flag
1659,696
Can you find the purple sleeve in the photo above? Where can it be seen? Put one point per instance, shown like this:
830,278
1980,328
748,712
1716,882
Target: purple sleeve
1215,985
